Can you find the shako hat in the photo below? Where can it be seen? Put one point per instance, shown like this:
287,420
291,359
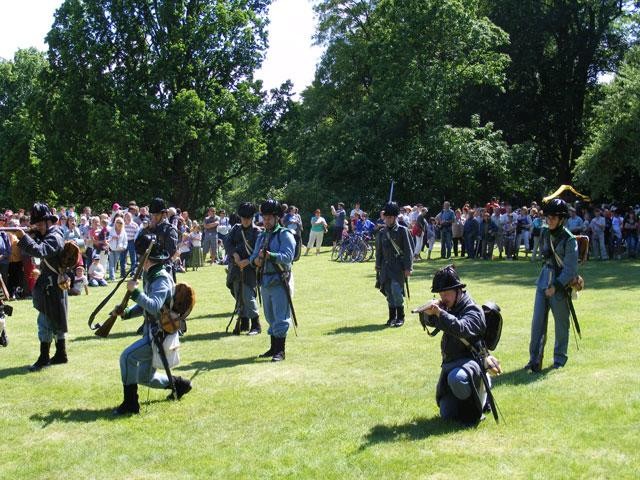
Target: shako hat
142,243
246,210
391,209
446,279
157,205
40,212
271,207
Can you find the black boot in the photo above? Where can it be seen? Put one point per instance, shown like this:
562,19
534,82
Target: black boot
278,349
269,352
61,353
183,386
43,359
256,329
130,403
244,324
237,327
392,316
400,320
4,340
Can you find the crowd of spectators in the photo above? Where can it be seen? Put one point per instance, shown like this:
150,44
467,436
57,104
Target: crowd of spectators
497,230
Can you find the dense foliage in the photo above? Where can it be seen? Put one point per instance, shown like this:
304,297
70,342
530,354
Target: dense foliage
610,165
457,99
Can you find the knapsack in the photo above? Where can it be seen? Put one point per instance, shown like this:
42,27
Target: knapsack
298,248
493,320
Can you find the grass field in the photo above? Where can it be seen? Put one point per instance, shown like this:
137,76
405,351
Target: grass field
352,400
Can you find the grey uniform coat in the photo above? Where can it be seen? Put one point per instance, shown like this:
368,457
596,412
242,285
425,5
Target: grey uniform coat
465,320
235,243
48,297
391,263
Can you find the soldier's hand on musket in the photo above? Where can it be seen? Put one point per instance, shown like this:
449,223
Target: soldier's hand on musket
550,292
132,285
432,308
19,234
118,310
243,263
407,273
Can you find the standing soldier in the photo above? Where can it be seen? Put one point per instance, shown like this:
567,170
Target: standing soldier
48,298
166,236
394,262
560,252
241,279
136,360
273,256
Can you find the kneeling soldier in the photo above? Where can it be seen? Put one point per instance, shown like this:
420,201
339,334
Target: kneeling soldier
460,394
136,360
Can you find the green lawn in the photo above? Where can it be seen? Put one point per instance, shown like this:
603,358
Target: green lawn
352,399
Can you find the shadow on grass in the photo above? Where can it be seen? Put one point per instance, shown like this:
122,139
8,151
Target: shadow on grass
415,430
132,333
205,336
211,315
215,364
82,415
374,327
11,371
520,377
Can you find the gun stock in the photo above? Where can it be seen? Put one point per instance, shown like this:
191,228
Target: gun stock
104,329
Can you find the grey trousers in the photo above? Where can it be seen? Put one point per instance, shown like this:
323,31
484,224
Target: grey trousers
560,309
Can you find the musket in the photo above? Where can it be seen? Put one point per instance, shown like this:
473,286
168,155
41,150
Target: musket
406,284
239,305
15,229
105,301
104,329
165,362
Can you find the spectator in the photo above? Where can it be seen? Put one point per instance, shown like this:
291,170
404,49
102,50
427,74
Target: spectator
15,281
195,237
96,272
5,250
339,216
430,235
536,228
523,230
574,222
457,232
117,245
598,225
616,234
497,219
318,229
509,234
210,235
470,231
487,235
131,228
79,282
630,229
445,220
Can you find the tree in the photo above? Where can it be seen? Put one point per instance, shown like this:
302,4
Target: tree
558,50
610,165
22,145
378,107
154,97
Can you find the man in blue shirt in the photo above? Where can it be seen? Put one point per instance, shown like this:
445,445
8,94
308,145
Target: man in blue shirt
272,256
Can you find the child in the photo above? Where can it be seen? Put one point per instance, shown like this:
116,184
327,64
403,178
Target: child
184,250
80,282
96,272
195,237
